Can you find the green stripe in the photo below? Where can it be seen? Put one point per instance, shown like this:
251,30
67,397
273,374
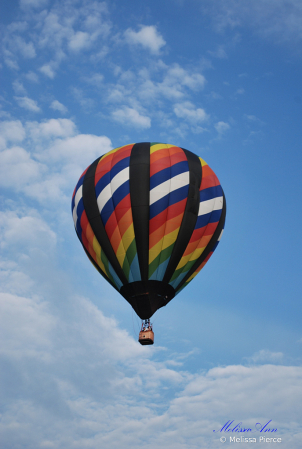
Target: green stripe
106,265
184,269
130,254
162,256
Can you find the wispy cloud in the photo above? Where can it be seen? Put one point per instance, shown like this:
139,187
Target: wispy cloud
221,127
28,103
130,116
148,37
188,112
280,21
266,356
57,106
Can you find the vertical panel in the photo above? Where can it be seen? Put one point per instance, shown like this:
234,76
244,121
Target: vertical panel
139,194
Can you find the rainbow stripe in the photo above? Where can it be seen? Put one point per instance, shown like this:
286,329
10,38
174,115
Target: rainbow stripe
210,208
113,199
169,183
87,236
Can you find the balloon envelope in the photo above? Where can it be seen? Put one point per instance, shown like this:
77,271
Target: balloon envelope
149,217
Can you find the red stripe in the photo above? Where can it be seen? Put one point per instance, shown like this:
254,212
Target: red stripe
161,218
175,155
120,210
209,181
107,162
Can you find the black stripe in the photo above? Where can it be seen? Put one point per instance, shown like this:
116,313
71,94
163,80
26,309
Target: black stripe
95,221
190,214
209,247
139,194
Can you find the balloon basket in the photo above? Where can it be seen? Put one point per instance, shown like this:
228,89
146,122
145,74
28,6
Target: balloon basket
146,335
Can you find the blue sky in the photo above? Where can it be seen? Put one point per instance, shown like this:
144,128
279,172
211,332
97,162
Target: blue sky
221,78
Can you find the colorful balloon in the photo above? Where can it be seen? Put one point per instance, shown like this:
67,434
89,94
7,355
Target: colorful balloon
149,217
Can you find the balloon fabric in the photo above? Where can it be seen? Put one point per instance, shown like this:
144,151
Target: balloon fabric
149,217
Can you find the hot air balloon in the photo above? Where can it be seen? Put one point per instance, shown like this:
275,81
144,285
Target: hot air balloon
149,217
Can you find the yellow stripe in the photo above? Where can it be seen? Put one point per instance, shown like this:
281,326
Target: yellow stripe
160,146
98,250
191,277
183,261
113,151
203,163
197,253
166,241
124,244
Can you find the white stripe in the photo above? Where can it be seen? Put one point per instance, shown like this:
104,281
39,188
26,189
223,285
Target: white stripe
77,199
205,207
75,217
220,236
110,188
169,186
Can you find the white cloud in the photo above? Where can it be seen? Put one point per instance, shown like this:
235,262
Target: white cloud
265,356
130,116
13,280
48,70
26,49
24,320
12,131
280,21
17,168
19,88
86,102
81,149
79,41
52,160
18,231
31,76
222,127
148,37
52,128
188,112
219,53
57,106
28,103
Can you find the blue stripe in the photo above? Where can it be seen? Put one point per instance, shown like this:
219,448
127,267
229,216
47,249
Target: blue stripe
120,166
211,217
80,182
210,193
168,200
79,229
115,276
160,271
118,196
215,246
102,183
179,278
135,270
106,179
168,173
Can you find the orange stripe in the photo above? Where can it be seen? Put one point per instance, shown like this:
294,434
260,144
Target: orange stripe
165,229
161,218
120,210
120,230
203,242
107,162
165,158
